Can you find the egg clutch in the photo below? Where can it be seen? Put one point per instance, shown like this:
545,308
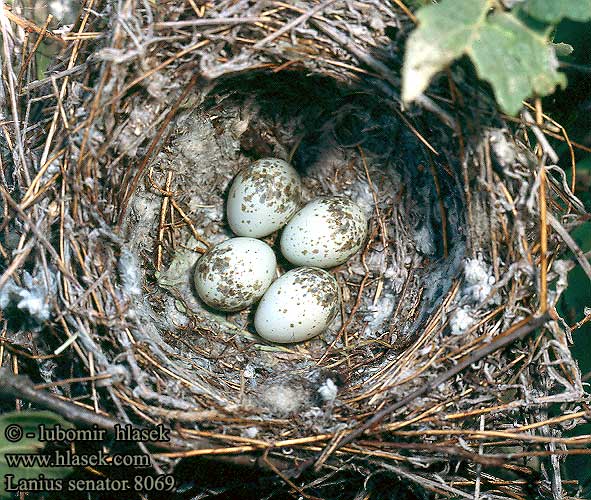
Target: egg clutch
239,272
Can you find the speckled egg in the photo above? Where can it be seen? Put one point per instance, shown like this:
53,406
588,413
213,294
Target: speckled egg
235,273
297,306
263,197
325,233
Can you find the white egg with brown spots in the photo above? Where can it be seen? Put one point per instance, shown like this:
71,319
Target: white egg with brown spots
263,197
235,273
298,306
325,233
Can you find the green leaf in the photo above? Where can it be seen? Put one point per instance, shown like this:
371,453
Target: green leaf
516,60
28,421
553,11
444,33
512,53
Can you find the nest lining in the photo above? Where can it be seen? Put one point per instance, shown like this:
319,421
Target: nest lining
132,343
341,144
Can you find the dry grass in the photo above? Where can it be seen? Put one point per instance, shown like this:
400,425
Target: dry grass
461,415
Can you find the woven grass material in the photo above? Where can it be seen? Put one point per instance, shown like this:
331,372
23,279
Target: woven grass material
113,183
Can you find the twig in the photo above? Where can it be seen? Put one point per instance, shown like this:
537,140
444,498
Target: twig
16,262
298,20
189,222
580,323
161,223
543,243
56,76
437,487
31,54
551,133
517,331
375,200
19,386
406,10
549,150
570,243
9,78
35,230
348,320
30,26
155,69
210,22
302,494
64,87
153,146
564,138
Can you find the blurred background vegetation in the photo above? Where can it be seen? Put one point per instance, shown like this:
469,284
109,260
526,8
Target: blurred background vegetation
572,109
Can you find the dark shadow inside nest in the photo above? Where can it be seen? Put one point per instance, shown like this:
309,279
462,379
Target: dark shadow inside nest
330,114
352,119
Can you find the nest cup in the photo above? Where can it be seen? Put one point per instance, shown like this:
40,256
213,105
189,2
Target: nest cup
450,267
343,144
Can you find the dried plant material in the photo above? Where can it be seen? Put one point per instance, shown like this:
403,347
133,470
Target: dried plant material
437,373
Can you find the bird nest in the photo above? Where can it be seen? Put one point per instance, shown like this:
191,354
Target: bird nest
447,371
